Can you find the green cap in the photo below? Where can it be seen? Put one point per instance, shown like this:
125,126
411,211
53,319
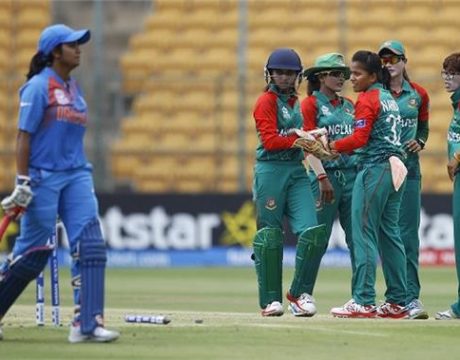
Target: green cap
330,61
395,46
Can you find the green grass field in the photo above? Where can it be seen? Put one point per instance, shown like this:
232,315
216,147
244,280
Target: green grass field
226,301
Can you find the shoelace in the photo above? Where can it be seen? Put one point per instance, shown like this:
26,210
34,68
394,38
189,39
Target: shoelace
306,297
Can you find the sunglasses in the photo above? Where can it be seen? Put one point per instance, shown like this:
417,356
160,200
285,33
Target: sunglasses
339,74
448,75
392,59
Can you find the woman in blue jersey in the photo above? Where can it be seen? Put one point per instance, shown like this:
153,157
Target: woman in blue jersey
54,179
413,103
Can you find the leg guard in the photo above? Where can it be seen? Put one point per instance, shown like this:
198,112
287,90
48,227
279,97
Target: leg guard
310,249
19,273
92,264
75,282
268,258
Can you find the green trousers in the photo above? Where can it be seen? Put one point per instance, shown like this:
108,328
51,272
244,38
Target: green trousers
281,189
409,223
375,217
342,181
456,218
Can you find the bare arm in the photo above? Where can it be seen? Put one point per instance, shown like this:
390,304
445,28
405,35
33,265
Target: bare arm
22,153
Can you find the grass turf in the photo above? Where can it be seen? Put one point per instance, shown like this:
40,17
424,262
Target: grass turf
226,300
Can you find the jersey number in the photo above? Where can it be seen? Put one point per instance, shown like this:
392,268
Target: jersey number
395,136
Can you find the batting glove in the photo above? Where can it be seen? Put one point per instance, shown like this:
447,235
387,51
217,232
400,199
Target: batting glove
15,204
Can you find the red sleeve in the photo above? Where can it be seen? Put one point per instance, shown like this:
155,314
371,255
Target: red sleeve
265,116
367,109
423,109
309,111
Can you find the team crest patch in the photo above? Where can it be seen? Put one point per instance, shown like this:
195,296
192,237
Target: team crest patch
360,123
270,204
325,110
61,97
412,103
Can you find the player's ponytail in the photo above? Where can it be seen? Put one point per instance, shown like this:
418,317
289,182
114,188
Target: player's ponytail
38,62
371,62
385,77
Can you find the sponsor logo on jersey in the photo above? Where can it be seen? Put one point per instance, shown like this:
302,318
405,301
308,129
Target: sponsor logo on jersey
325,110
61,97
360,123
453,137
409,122
24,104
285,112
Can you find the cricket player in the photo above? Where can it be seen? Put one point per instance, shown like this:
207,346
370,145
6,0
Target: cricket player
413,103
451,75
333,181
55,178
377,192
282,188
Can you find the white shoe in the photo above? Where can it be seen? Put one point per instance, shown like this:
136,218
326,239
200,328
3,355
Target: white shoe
304,305
353,310
416,311
273,309
99,334
446,315
1,333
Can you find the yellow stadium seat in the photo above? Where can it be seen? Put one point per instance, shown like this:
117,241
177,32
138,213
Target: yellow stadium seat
185,64
24,5
34,18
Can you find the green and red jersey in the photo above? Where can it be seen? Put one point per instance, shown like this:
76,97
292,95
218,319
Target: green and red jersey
337,116
413,103
453,135
275,114
377,129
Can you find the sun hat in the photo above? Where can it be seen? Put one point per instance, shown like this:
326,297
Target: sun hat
58,34
330,61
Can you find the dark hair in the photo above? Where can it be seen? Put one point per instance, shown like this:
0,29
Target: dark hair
371,63
452,62
313,84
38,62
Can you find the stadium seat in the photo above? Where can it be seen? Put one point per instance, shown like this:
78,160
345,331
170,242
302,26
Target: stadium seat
183,69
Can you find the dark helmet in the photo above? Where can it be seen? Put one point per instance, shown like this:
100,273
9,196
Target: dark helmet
285,59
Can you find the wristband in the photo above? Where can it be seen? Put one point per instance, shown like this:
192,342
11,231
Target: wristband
421,143
321,177
456,156
22,180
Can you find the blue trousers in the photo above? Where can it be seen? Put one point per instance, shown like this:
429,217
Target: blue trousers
69,194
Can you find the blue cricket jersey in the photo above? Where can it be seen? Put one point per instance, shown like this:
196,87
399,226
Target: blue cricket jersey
55,115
